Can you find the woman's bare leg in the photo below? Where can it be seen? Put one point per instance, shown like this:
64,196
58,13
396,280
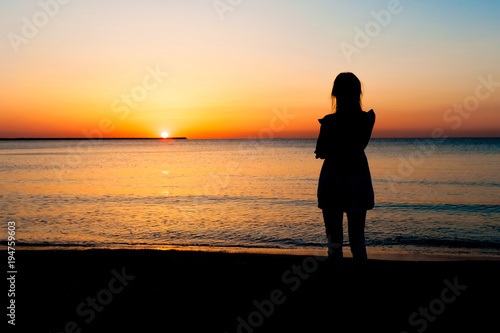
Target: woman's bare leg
356,222
334,233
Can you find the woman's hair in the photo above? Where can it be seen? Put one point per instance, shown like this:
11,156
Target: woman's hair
346,93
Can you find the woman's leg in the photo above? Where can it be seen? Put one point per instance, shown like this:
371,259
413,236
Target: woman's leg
334,233
356,222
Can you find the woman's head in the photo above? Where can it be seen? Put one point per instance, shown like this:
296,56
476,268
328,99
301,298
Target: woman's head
347,93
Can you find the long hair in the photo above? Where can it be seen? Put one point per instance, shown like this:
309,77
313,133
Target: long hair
346,93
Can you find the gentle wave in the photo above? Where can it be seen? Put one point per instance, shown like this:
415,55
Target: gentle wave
432,183
286,243
470,208
435,242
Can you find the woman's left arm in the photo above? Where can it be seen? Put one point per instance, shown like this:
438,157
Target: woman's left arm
321,142
367,130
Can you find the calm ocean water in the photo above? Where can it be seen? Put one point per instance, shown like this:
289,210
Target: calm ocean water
431,197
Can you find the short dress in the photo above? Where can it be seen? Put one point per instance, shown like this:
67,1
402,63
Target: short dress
345,182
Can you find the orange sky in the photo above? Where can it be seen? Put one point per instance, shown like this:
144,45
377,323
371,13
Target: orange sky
127,69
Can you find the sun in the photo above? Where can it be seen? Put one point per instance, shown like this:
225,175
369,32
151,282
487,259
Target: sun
164,135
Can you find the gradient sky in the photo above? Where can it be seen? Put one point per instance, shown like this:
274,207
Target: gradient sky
229,72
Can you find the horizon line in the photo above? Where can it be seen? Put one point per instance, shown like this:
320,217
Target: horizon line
246,138
156,138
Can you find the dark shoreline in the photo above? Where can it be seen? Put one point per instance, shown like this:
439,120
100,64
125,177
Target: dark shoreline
184,291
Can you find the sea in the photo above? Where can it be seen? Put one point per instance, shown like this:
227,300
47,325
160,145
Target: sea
432,196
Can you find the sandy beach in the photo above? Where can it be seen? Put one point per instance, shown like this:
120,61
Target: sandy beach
186,291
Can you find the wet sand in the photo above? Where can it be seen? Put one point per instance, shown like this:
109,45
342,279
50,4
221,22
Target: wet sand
186,291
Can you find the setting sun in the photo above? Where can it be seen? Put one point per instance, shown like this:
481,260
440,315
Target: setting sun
164,135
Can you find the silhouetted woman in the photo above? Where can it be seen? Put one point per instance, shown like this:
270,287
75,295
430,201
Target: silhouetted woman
345,183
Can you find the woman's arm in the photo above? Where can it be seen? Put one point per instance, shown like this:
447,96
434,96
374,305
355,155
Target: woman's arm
321,151
367,128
